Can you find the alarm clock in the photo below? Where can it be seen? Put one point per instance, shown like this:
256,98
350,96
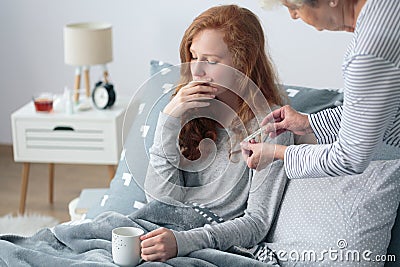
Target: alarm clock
103,95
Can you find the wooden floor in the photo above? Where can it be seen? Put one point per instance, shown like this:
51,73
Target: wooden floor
69,180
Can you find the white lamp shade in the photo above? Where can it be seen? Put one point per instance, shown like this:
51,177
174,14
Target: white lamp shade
87,44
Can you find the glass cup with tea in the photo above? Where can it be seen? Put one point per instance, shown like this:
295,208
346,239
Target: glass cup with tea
43,102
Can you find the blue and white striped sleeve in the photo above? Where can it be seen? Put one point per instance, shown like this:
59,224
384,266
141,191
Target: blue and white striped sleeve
371,102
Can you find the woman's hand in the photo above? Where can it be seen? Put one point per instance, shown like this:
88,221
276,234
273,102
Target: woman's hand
190,96
159,245
286,119
259,155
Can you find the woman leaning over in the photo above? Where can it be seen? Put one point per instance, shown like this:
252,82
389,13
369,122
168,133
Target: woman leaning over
368,123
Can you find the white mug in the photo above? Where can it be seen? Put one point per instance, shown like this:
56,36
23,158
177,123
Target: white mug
126,245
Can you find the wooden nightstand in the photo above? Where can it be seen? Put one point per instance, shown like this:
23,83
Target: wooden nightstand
86,137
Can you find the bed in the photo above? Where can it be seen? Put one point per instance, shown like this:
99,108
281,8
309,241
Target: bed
322,222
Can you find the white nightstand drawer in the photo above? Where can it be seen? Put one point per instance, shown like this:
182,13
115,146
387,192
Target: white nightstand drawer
66,141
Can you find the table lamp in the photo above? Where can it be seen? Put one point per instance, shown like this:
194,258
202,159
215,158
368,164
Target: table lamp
85,45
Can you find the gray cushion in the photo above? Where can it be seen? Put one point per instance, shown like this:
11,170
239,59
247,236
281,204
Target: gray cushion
126,189
339,213
394,246
310,100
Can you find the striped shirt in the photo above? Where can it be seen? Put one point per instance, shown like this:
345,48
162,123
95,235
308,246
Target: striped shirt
351,135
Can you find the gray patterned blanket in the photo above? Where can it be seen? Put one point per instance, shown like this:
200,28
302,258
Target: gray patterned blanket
89,242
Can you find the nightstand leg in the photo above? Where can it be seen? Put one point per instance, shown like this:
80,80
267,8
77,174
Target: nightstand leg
111,171
24,187
51,182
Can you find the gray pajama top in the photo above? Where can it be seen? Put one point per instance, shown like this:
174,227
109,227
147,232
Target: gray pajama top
247,200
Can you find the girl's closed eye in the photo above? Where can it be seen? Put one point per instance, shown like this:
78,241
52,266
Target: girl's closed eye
210,61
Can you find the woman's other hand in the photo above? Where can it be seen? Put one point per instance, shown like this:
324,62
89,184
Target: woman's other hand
159,245
257,155
286,119
194,95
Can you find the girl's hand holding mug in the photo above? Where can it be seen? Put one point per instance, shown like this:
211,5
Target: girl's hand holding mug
159,245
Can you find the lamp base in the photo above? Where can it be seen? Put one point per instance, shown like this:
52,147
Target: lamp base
84,105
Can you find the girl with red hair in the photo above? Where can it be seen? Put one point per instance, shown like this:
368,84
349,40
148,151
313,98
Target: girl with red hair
227,80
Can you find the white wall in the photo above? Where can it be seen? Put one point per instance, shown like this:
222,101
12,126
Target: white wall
32,59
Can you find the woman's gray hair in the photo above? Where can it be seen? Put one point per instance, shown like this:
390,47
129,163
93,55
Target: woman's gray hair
269,4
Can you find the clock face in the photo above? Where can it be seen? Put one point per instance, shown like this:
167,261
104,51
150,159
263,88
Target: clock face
100,97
